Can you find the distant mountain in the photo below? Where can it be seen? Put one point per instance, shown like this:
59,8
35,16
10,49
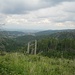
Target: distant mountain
49,32
62,35
23,30
11,34
25,37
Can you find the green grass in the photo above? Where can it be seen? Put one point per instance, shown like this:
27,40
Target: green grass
20,64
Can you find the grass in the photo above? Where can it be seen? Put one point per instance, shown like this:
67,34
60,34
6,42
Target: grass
20,64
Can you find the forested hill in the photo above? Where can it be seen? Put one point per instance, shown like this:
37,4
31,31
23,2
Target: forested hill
20,42
49,32
11,34
63,35
59,35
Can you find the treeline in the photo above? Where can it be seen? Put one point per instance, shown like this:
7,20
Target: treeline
53,47
9,45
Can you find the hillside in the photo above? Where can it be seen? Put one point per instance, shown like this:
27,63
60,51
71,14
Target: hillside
55,54
64,34
9,45
49,32
11,34
20,64
58,42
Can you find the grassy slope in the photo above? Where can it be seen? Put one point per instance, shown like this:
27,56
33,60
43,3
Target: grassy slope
19,64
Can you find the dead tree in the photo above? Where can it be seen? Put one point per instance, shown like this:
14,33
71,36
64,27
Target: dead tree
32,47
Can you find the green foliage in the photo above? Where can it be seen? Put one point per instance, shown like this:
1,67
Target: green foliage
9,45
19,64
53,47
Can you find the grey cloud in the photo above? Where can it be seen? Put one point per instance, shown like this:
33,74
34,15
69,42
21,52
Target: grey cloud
62,20
70,10
24,6
55,2
12,7
16,7
15,10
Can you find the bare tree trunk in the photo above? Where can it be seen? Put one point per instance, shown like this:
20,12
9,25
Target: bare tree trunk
35,47
28,47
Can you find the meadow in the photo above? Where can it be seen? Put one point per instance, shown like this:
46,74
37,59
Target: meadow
21,64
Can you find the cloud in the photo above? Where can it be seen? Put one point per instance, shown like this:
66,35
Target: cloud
69,7
14,19
35,14
58,13
2,19
24,6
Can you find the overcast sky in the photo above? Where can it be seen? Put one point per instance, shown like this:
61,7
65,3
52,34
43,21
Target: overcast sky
37,14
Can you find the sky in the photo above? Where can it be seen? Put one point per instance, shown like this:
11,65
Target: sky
37,14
